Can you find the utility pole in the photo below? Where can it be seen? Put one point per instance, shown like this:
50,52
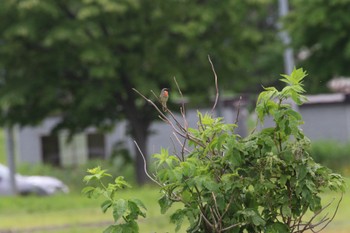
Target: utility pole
11,161
288,51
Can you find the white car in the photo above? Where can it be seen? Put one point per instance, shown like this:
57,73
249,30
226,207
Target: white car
40,185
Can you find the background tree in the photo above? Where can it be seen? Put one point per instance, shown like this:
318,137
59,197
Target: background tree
81,58
320,29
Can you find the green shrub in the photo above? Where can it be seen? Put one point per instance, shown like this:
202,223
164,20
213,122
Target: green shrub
265,182
333,154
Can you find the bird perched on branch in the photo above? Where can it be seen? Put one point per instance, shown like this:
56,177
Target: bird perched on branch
164,96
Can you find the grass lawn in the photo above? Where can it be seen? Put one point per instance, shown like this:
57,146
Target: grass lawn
74,213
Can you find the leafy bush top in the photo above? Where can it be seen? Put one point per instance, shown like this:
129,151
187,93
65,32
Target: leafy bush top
265,182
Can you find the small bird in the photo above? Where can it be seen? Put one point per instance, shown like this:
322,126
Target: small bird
164,96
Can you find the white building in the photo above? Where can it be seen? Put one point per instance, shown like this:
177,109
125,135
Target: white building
36,145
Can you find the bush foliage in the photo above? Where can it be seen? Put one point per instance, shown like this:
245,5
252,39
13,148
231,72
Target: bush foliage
333,154
265,182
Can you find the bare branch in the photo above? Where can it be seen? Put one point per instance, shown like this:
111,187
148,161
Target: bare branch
232,226
310,226
335,212
238,109
151,102
216,85
227,206
145,165
183,148
182,109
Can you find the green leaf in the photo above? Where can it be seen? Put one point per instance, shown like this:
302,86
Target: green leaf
88,191
277,228
177,218
119,209
105,205
139,203
134,211
286,211
258,220
113,229
120,181
164,204
211,185
301,171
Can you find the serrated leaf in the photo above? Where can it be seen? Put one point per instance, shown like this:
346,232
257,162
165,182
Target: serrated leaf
164,204
119,209
88,178
277,228
105,205
257,220
286,211
121,182
139,203
177,218
88,191
134,210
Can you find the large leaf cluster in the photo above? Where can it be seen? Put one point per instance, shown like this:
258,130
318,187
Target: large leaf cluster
125,211
80,58
319,32
265,182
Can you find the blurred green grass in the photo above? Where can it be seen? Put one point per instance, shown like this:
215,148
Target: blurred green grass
73,211
76,213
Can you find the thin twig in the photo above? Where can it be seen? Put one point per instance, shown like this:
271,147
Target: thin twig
183,148
201,207
182,109
335,212
238,109
227,206
216,85
172,141
232,226
151,102
145,164
309,223
185,133
214,216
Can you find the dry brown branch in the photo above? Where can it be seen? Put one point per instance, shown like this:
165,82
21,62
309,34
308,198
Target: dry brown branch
183,147
216,208
151,102
232,226
145,165
335,212
238,109
184,133
310,226
216,86
182,109
227,206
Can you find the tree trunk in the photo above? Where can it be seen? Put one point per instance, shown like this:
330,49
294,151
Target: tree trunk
11,159
140,119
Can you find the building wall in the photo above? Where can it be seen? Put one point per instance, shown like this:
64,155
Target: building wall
322,122
326,121
75,152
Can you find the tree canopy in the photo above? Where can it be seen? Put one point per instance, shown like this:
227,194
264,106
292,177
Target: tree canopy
81,58
320,29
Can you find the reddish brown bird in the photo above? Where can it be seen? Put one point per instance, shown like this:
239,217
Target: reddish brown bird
164,96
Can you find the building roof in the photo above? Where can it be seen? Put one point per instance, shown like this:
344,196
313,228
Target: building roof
327,98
